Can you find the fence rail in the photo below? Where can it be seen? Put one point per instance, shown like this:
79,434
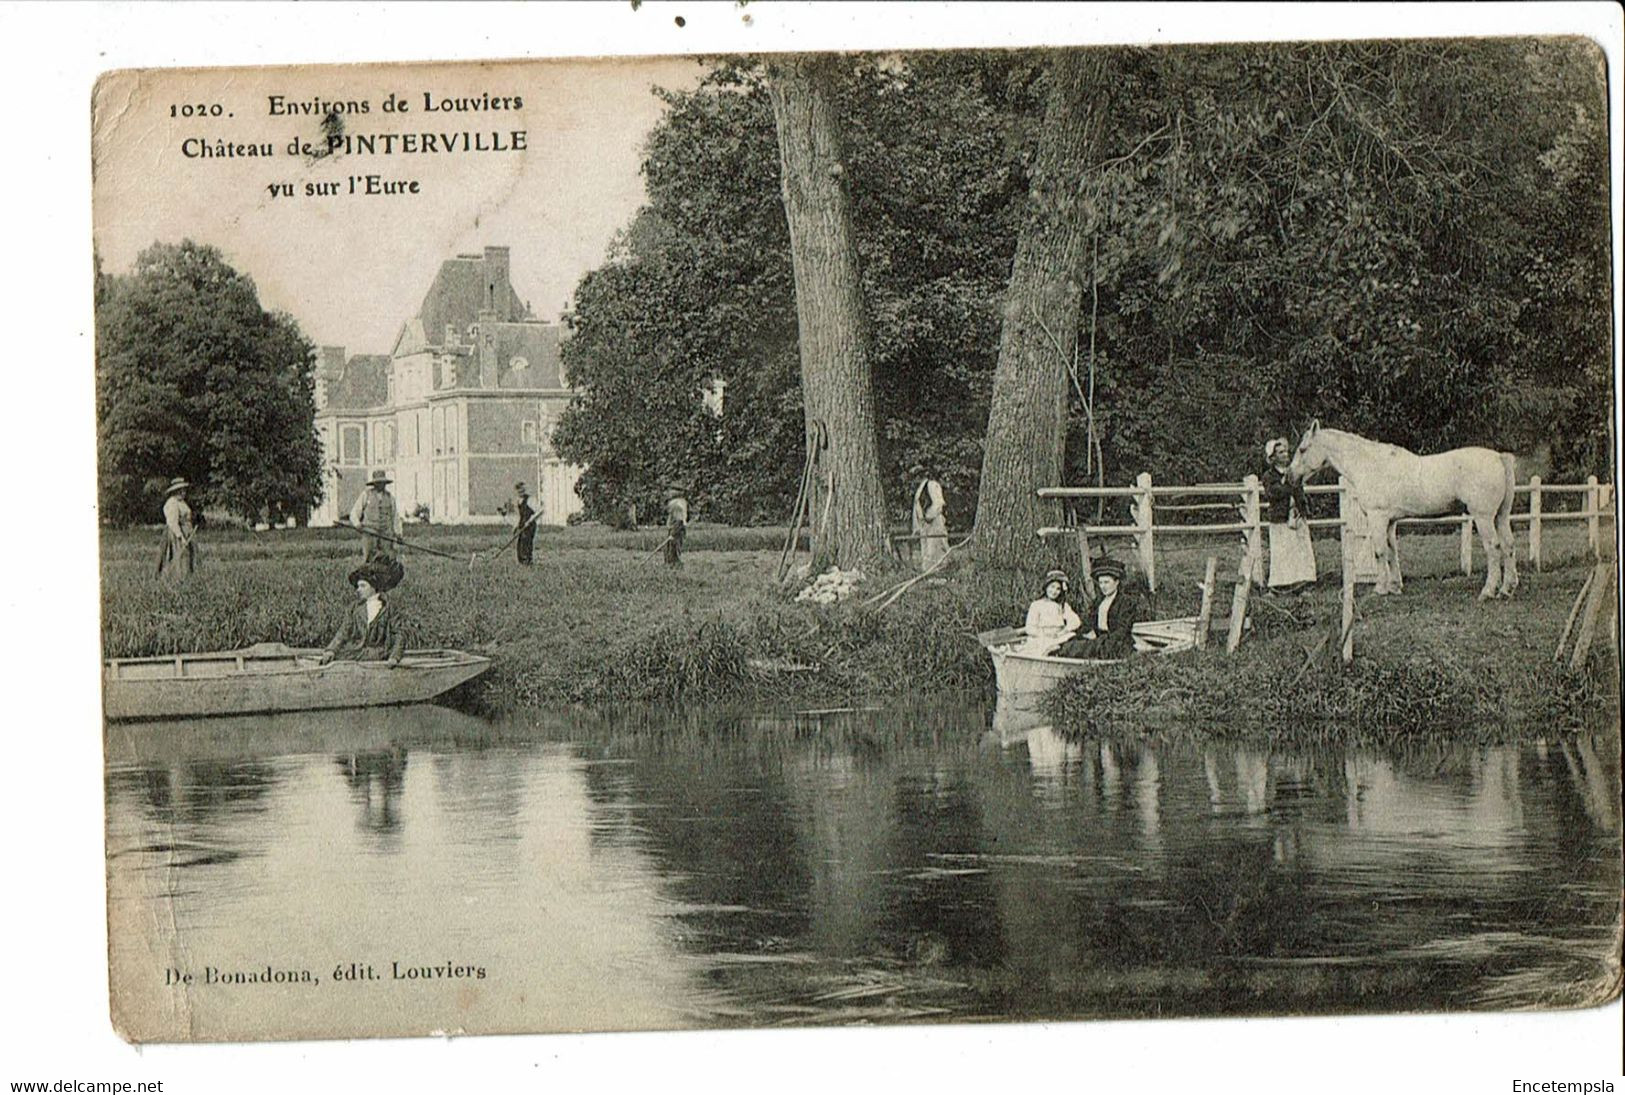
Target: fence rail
1245,500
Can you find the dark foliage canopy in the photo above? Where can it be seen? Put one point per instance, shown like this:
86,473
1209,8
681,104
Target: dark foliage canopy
195,379
1406,239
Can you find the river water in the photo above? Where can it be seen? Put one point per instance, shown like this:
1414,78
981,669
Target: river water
429,871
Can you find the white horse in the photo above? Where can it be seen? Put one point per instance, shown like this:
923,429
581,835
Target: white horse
1389,482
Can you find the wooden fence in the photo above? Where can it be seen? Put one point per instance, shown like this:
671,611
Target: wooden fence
1243,500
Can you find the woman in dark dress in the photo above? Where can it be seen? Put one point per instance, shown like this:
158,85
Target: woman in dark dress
1292,553
1110,620
372,630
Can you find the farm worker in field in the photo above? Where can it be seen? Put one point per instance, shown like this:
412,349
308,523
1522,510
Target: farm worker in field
1111,618
526,516
930,522
371,631
178,554
374,514
1051,621
1292,553
676,527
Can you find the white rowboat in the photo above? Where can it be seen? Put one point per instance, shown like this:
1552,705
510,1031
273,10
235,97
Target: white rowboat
1029,675
272,677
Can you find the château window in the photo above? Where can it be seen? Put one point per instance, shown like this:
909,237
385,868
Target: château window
352,442
527,432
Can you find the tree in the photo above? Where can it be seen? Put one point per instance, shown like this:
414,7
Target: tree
1026,426
700,287
194,378
850,527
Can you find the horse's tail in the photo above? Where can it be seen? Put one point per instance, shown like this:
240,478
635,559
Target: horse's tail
1503,512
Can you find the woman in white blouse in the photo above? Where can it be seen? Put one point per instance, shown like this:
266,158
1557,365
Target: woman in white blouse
1051,621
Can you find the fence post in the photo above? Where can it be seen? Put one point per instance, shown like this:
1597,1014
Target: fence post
1085,563
1142,535
1348,613
1254,533
1467,544
1534,520
1602,580
1204,616
1345,534
1594,507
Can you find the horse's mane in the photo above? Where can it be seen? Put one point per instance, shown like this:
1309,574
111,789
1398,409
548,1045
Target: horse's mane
1383,447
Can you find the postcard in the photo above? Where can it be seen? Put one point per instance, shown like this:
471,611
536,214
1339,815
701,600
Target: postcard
866,538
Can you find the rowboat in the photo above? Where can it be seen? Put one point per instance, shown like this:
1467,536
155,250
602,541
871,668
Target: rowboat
270,677
1021,674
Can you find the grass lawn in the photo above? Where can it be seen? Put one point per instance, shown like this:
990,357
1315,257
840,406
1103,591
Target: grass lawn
598,620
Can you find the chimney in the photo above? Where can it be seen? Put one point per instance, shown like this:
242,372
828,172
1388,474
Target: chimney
329,367
498,295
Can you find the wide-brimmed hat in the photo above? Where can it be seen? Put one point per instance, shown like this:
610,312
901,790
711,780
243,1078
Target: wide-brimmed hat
380,478
1055,576
383,572
1274,443
1107,567
175,485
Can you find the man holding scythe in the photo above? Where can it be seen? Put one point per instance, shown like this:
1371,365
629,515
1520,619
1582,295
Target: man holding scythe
375,515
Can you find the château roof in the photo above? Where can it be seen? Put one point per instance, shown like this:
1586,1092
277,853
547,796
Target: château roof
461,290
363,382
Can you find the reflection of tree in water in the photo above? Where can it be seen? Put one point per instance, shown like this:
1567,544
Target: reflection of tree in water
712,816
191,809
938,911
196,792
376,779
1126,876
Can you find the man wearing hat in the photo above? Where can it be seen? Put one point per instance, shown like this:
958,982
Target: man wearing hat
526,537
371,631
1110,622
374,514
178,553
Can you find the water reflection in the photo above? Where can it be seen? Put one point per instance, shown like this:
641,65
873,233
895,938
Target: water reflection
647,870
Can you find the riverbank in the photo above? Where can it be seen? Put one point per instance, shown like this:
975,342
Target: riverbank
599,621
1431,662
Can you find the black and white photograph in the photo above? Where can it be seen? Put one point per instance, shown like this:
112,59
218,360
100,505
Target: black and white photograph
1111,532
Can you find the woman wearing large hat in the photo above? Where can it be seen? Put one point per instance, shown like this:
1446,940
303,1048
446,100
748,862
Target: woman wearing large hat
1111,618
178,554
1051,621
372,629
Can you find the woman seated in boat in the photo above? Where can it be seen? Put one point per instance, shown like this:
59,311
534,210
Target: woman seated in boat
1051,621
1112,617
371,631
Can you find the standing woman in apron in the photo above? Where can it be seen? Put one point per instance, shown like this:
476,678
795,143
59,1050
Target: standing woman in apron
930,523
1292,554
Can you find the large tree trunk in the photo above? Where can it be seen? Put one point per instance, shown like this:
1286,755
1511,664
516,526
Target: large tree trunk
848,511
1026,425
